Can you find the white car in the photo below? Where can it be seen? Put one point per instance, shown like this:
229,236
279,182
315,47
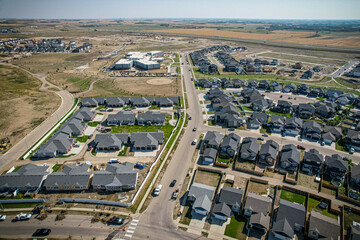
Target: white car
157,190
22,216
2,217
194,142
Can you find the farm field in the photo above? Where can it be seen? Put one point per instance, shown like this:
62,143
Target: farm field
29,106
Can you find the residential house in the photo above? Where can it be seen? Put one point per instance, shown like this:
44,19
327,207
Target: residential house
323,227
229,201
252,83
89,102
268,153
229,146
226,83
355,177
303,89
324,111
353,232
238,83
141,101
283,107
312,162
228,115
116,177
293,126
71,178
209,156
331,134
256,120
213,140
305,111
151,118
316,93
277,123
289,158
84,114
352,139
115,102
351,97
333,94
307,74
258,208
276,86
250,95
264,84
343,101
336,167
249,149
200,196
261,104
167,101
59,144
290,87
141,141
290,218
29,177
121,118
110,142
205,83
73,127
312,130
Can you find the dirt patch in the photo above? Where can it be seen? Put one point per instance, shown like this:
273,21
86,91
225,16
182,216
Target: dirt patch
308,181
258,188
207,178
159,81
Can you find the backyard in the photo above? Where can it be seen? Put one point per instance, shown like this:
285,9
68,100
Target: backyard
292,197
236,227
314,204
258,188
350,217
167,128
207,178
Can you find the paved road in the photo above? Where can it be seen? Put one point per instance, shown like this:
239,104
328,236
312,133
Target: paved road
67,101
156,222
73,225
343,69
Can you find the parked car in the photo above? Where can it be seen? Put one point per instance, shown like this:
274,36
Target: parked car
194,142
109,110
318,178
173,183
157,190
352,150
194,129
22,217
260,139
175,194
265,135
301,147
41,232
231,129
90,148
281,96
116,221
323,205
2,217
189,118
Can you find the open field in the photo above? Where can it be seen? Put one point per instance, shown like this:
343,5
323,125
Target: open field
278,36
22,106
136,86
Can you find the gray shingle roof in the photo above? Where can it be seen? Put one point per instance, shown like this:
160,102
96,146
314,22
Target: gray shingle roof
327,228
121,117
151,116
290,154
270,148
84,114
231,196
106,140
222,209
213,138
203,195
143,139
249,148
258,203
336,161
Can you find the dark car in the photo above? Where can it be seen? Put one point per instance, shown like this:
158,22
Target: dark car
173,183
194,129
260,139
189,118
281,96
41,232
116,221
301,147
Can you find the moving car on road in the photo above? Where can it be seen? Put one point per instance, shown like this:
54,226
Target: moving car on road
301,147
157,190
173,183
194,142
41,232
116,221
22,217
260,139
175,194
2,217
194,129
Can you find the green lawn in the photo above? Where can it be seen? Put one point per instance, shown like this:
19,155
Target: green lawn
292,197
349,218
211,123
154,107
236,228
265,130
288,115
123,152
93,124
211,112
100,107
246,108
167,128
19,205
186,214
56,167
17,168
82,139
313,204
223,160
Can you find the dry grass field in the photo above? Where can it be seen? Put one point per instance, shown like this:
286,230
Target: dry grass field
278,36
22,105
136,86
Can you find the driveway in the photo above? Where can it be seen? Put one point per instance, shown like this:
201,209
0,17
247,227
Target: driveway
89,131
218,226
197,221
147,153
98,118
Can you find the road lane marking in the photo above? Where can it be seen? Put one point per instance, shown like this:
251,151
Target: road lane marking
128,235
135,220
133,224
131,227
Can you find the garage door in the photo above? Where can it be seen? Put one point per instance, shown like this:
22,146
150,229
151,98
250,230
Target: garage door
222,218
201,212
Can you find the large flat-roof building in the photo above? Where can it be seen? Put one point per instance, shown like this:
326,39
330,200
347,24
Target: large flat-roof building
123,64
145,61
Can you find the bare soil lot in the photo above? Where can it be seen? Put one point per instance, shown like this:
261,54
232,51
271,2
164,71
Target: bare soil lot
22,105
136,86
258,188
308,181
207,178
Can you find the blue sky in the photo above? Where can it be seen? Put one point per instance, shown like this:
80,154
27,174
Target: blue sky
256,9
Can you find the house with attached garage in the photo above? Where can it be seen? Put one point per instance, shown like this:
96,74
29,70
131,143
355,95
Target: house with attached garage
115,102
209,156
250,95
352,139
249,149
312,130
305,111
167,101
229,146
351,98
252,83
204,83
213,140
277,123
331,134
84,114
303,89
121,118
151,118
89,102
283,107
261,104
290,218
29,177
336,167
111,141
146,140
268,153
73,127
323,227
228,202
293,126
238,83
332,95
316,93
264,84
312,162
289,158
257,208
277,87
256,120
200,196
355,177
289,88
71,178
324,111
59,144
141,101
116,177
229,116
